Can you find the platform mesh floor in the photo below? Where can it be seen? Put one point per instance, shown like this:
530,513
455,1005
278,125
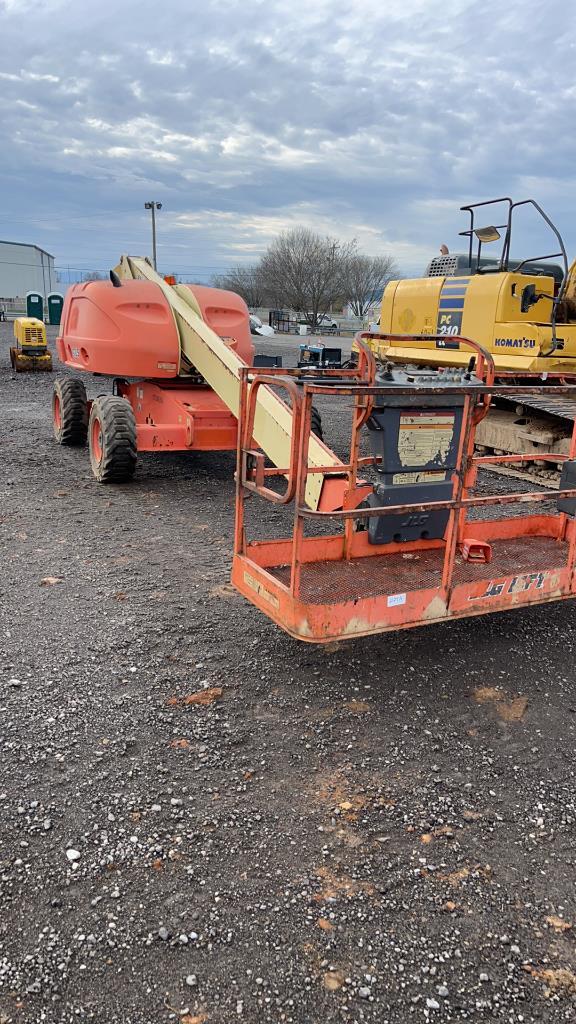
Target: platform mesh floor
330,582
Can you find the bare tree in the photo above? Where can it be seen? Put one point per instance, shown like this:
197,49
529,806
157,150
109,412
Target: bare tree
305,271
245,281
365,278
93,275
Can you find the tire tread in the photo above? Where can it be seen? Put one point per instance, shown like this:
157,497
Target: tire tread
316,423
73,411
119,444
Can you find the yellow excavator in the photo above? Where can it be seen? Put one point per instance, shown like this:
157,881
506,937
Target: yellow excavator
523,311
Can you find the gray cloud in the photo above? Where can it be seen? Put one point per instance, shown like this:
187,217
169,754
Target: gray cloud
362,119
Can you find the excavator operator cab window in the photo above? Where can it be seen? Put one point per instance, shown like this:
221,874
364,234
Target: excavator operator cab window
529,298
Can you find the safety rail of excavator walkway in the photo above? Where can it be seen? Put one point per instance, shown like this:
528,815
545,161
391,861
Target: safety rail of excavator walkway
331,587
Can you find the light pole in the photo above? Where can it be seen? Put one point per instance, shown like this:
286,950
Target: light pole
153,207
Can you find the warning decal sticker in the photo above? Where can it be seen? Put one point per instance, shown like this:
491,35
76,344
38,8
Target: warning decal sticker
425,437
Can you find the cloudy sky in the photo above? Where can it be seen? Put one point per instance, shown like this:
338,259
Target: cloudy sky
367,119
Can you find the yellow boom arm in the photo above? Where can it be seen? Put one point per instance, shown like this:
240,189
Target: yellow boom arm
220,366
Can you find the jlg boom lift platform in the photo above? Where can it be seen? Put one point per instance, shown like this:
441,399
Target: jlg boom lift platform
407,548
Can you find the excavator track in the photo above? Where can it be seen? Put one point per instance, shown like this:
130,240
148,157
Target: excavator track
526,425
557,407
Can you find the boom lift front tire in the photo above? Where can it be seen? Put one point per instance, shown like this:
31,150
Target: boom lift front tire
69,411
112,439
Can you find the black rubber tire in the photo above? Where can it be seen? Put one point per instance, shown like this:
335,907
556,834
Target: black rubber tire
69,411
112,439
316,423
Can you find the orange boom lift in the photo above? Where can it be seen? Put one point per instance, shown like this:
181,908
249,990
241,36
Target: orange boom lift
414,544
174,354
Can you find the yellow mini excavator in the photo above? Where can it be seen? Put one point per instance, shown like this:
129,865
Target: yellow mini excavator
522,310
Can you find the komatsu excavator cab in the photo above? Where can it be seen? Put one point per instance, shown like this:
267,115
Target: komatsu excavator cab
522,311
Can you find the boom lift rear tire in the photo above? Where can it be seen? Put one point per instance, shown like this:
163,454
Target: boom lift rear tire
70,411
112,439
316,423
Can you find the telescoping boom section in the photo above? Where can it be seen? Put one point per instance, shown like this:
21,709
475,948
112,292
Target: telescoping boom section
215,358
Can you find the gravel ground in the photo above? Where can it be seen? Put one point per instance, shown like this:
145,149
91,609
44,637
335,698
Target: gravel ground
376,832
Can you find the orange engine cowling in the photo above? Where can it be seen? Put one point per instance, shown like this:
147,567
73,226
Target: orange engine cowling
130,331
125,332
227,314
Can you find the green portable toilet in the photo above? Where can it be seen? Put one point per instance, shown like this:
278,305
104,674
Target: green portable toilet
35,305
55,303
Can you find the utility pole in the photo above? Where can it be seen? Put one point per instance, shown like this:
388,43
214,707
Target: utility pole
153,206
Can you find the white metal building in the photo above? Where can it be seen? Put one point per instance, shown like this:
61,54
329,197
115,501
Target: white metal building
25,268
